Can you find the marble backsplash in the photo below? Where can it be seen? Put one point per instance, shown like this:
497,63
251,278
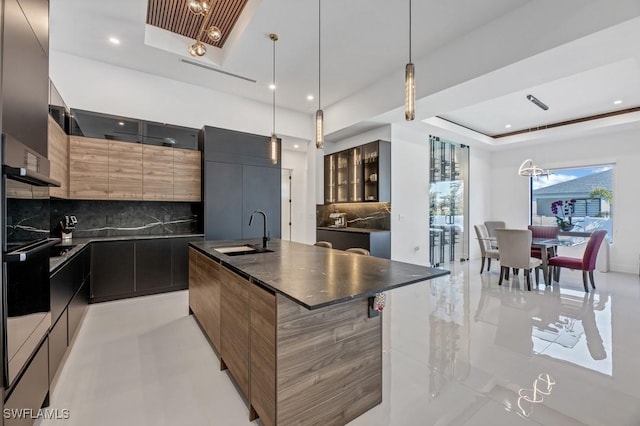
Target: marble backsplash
359,215
122,218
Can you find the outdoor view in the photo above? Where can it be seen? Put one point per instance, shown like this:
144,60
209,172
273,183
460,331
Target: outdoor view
576,199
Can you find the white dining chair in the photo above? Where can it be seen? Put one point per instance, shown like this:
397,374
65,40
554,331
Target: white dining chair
514,246
486,250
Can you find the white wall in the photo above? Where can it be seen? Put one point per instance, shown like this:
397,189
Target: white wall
300,223
510,193
479,194
410,195
101,87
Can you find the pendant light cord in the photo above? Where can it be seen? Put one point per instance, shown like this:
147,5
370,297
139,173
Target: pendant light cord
409,31
274,84
319,68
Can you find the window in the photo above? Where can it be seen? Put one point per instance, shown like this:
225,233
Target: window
578,199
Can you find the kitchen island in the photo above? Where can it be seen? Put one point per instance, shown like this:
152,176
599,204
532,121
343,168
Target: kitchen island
294,326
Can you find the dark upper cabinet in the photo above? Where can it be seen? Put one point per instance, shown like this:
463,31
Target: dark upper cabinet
153,264
362,173
254,180
238,179
112,269
25,79
104,126
222,200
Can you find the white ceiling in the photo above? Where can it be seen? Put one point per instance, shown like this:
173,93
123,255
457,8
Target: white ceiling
365,42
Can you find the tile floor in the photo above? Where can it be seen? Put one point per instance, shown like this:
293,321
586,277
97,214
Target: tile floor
459,350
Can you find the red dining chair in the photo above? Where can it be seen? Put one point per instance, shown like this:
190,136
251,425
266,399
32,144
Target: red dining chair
586,264
548,232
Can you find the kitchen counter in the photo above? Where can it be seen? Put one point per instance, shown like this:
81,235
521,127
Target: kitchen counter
352,229
77,244
295,327
315,277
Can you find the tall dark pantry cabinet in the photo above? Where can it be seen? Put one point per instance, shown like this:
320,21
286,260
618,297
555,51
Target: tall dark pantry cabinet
24,93
239,178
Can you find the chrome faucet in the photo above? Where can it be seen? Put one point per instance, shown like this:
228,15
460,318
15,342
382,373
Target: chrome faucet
265,236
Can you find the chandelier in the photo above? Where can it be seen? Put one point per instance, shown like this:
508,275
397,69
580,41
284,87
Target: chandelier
203,8
528,169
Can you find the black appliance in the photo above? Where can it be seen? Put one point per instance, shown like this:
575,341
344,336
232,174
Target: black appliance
26,311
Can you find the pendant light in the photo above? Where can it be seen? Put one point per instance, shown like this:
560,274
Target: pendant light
273,143
409,82
319,113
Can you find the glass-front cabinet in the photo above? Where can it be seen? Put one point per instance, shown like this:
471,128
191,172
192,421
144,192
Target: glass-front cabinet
358,174
371,164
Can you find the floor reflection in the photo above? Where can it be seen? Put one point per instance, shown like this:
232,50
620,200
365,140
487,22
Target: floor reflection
464,351
565,324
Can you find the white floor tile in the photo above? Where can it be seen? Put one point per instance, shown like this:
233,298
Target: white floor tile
460,350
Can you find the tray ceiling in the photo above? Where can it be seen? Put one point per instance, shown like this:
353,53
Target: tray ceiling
174,16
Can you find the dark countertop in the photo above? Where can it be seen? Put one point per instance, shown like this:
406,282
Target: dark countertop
316,276
352,229
77,244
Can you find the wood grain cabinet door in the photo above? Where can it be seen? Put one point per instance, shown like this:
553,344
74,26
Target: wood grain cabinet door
157,173
125,171
88,168
204,294
187,170
59,158
234,327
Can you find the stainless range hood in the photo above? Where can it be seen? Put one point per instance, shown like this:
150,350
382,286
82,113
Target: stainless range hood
23,164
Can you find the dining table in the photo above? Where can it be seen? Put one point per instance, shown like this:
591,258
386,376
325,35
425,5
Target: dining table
545,245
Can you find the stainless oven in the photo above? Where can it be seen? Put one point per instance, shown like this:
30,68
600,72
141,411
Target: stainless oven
26,311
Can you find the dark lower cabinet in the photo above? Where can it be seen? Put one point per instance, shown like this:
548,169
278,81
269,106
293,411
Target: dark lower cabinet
112,269
77,308
152,265
58,342
32,389
70,288
139,267
378,243
64,284
180,262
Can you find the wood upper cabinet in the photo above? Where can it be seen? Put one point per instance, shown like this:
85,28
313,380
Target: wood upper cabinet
125,171
59,159
157,177
186,175
100,169
88,168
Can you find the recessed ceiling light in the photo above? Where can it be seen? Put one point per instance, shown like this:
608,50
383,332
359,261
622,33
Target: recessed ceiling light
296,146
507,126
618,102
120,123
272,86
309,97
114,40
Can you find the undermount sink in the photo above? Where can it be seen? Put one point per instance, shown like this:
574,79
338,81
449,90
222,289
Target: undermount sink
242,250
